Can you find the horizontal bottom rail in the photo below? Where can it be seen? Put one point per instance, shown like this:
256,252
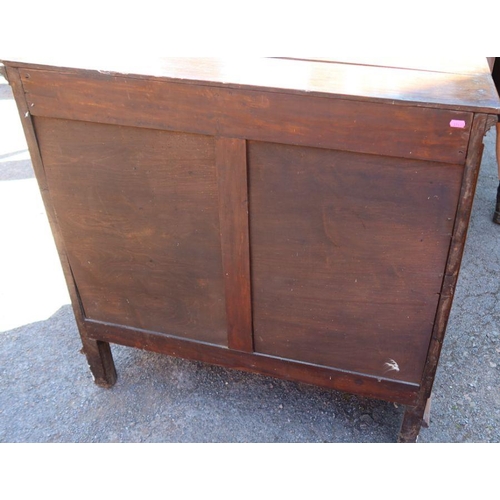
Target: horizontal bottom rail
377,388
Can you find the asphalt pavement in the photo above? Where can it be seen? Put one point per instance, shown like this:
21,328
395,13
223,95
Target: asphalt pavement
47,393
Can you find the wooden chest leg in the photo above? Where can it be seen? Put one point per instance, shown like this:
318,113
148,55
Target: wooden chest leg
100,362
412,422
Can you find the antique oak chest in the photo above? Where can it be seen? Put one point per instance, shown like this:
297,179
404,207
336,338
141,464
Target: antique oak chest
302,219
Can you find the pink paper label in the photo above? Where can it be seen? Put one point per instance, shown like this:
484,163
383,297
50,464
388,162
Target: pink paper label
457,123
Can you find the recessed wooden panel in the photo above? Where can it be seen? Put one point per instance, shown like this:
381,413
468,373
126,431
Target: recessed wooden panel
139,212
347,256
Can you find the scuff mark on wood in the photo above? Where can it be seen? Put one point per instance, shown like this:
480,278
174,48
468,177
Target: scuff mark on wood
391,365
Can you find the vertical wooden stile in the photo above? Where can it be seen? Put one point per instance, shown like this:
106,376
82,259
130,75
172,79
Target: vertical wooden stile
457,246
98,353
413,416
231,163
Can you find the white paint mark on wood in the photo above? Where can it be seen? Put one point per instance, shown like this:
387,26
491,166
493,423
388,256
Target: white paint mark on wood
391,365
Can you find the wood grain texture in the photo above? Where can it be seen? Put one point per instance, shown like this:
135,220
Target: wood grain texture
98,353
413,417
100,360
380,388
353,248
457,246
425,81
139,213
348,253
231,164
411,424
458,65
365,127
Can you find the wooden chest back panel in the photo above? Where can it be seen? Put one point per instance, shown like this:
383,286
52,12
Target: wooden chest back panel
348,253
298,219
139,212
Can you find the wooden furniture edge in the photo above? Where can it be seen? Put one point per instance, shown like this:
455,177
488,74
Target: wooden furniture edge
491,105
414,415
330,378
96,347
225,112
98,353
447,65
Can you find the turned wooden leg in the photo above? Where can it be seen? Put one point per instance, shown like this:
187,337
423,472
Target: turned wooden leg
100,362
412,422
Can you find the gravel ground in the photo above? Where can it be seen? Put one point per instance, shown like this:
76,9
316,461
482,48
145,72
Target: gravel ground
47,393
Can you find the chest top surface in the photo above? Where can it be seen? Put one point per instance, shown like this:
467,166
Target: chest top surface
453,83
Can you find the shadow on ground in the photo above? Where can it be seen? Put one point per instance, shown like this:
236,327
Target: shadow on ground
47,395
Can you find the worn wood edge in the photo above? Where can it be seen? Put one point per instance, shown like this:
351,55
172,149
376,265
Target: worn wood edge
493,106
38,167
471,172
453,66
412,422
414,415
14,79
459,235
426,419
218,113
491,121
78,302
103,370
231,168
98,353
376,388
3,72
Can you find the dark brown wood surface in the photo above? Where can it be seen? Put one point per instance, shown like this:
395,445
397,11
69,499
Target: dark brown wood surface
314,211
97,352
365,127
231,161
139,212
348,253
413,416
447,83
357,383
